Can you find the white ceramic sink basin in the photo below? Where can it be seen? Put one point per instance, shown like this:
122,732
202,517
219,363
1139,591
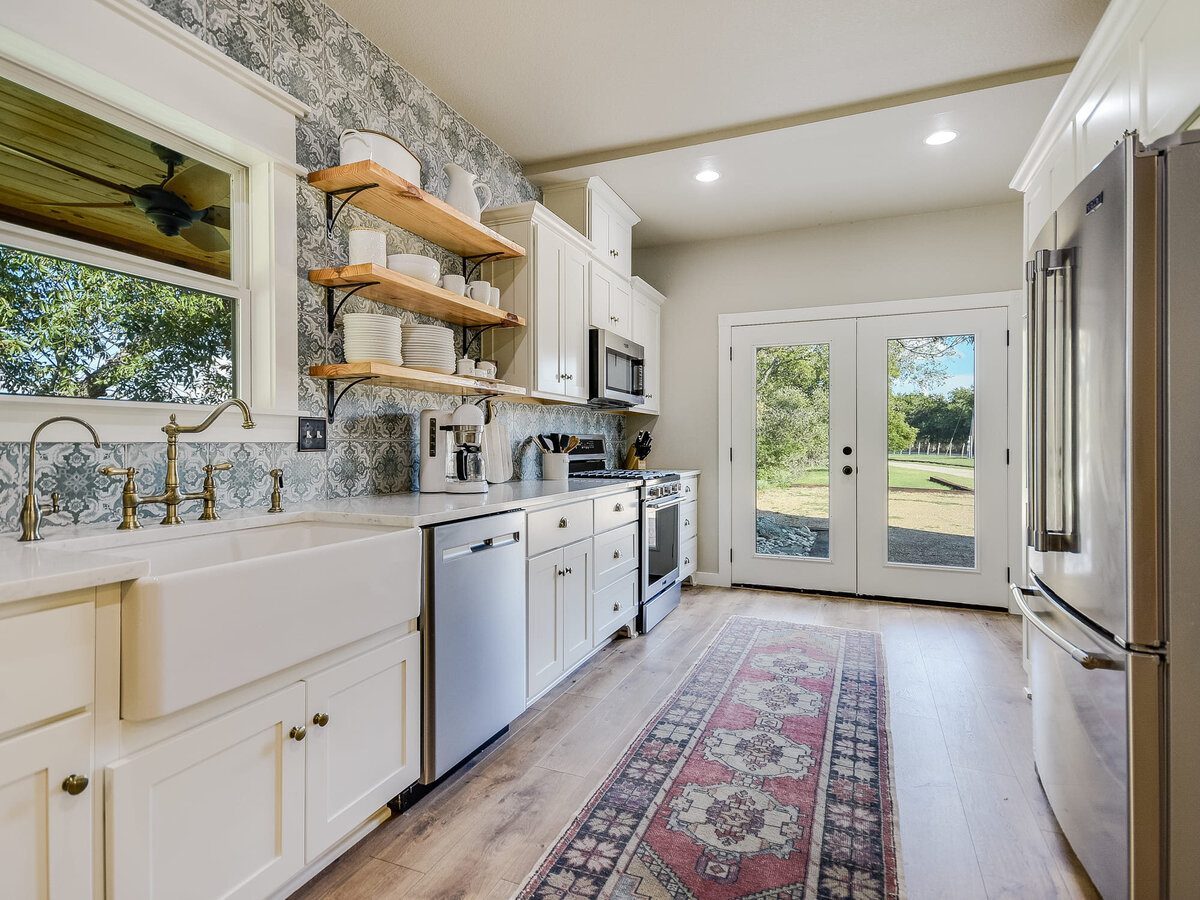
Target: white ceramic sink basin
220,609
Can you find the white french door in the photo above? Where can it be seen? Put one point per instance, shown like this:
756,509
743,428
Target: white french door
869,455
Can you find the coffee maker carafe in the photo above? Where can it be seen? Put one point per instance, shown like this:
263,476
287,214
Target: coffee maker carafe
465,472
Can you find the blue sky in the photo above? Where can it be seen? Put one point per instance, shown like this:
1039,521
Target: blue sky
960,372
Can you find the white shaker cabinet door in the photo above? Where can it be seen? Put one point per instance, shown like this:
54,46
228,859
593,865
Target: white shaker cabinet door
215,812
548,326
599,296
574,313
620,307
364,745
577,602
46,832
544,635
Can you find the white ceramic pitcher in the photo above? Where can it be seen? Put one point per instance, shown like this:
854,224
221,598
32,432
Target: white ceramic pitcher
462,195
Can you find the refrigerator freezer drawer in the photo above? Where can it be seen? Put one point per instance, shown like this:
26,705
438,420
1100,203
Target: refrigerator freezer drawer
1083,720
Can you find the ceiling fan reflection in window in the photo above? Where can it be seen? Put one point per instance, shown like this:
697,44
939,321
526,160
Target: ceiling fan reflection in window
184,204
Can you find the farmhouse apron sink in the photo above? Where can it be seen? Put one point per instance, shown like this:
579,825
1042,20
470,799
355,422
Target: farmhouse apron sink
224,608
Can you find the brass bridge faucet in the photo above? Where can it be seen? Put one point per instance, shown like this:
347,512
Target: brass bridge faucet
32,511
171,496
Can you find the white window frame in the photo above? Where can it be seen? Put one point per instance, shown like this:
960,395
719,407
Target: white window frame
188,95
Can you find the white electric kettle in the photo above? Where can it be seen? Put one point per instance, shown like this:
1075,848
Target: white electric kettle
462,195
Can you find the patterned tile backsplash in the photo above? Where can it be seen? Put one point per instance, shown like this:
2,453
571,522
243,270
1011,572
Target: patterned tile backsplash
311,52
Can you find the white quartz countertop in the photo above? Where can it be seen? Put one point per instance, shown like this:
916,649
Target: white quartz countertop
86,556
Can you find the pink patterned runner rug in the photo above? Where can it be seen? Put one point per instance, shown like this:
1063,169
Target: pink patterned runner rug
766,775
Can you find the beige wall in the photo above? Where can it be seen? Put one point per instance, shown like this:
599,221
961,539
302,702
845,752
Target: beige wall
962,251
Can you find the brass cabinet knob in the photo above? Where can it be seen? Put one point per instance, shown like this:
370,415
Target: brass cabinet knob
562,523
75,784
321,719
298,732
618,508
616,607
616,554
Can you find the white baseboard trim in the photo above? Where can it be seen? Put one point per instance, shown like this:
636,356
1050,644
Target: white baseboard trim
713,579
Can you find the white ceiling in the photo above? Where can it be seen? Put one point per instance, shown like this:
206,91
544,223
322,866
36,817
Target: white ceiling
548,79
857,167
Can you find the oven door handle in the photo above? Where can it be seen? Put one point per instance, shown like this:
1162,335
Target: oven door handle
665,503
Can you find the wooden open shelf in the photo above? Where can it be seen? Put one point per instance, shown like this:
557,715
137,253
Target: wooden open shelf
406,292
405,204
390,375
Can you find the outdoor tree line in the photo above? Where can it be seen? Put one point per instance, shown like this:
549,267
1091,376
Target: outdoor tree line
792,403
70,330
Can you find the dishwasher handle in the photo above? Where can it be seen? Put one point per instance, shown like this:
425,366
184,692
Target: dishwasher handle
493,543
1081,656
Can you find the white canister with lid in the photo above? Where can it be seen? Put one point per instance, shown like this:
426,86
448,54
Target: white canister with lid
368,245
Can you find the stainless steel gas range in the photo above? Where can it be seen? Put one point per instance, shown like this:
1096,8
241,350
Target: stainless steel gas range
658,523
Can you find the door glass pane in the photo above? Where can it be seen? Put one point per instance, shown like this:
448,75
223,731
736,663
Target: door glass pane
931,451
792,451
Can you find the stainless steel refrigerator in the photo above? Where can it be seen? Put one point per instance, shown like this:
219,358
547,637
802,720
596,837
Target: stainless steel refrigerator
1113,513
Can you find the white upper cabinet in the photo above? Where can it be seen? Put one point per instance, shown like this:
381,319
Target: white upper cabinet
593,209
647,326
549,288
611,302
1139,72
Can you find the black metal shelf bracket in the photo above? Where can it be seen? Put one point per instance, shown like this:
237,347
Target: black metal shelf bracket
330,215
469,341
332,401
470,270
334,310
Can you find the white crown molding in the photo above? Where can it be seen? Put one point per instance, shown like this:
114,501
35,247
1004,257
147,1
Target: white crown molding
1105,41
187,42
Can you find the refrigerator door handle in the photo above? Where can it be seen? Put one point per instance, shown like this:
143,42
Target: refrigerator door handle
1051,404
1081,656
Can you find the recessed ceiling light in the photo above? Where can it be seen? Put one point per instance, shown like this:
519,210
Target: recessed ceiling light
941,137
708,175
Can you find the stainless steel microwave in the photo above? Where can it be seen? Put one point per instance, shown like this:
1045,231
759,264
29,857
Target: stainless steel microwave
616,370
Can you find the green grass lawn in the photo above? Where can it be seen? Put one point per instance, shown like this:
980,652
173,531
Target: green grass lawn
898,477
963,461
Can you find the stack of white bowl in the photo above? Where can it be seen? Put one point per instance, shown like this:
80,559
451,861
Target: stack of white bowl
430,348
371,336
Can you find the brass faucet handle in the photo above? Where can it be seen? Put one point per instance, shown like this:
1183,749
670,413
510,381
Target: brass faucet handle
276,491
217,467
114,472
53,507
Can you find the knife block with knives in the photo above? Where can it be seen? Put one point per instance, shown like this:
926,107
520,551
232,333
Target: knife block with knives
635,458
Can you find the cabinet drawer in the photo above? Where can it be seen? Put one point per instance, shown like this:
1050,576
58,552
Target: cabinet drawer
689,488
616,554
687,558
615,605
558,526
47,663
615,511
687,521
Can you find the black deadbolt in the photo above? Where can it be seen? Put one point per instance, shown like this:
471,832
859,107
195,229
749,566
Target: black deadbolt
847,470
847,450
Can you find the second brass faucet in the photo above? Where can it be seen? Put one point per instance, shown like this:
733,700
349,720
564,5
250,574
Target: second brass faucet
171,496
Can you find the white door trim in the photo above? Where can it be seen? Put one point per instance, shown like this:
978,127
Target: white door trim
726,322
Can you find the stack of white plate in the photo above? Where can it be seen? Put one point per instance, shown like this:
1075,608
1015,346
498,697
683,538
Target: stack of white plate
430,348
370,336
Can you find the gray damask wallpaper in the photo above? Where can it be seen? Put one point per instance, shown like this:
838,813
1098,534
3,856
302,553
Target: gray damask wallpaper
314,54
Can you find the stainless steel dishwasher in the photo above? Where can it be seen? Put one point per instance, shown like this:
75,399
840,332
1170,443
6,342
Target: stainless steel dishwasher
473,637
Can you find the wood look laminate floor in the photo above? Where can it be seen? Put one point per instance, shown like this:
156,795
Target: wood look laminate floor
973,820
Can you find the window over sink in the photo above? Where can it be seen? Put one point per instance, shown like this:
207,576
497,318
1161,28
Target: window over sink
122,272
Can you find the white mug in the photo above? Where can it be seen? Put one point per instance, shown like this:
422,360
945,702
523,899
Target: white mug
368,245
486,368
455,284
466,366
479,290
494,298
